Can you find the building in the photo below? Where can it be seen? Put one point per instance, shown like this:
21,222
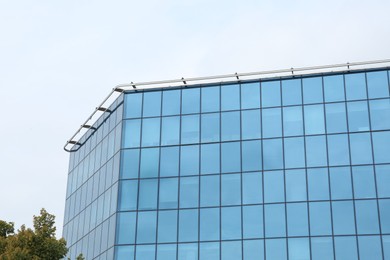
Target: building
289,167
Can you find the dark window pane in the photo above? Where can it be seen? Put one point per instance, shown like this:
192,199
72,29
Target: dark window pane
152,104
378,85
190,101
312,90
297,219
230,97
334,88
251,126
210,99
168,193
170,131
251,156
169,165
296,185
171,102
355,85
273,186
230,126
291,90
358,116
272,122
210,158
275,222
380,114
133,106
250,95
210,128
270,94
336,118
320,218
292,121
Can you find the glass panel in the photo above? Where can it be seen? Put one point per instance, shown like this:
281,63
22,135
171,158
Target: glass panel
231,157
316,151
382,173
314,119
231,189
209,190
320,218
361,152
166,252
270,94
386,247
345,248
128,195
146,227
252,221
126,228
384,208
297,219
145,252
148,194
190,101
338,150
252,188
210,128
230,97
210,99
334,88
292,121
336,118
318,184
188,225
124,253
151,132
189,192
169,165
272,122
170,130
377,84
291,90
230,126
250,95
209,224
363,182
167,226
273,186
276,249
209,251
322,248
358,116
189,160
312,90
133,106
294,152
275,221
152,104
231,250
272,154
188,251
190,129
381,143
251,156
251,126
367,217
343,217
210,158
168,193
340,183
132,133
380,114
149,162
355,85
171,102
231,223
296,185
130,164
370,247
298,248
253,249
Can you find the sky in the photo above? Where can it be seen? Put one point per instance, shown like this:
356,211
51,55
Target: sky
59,59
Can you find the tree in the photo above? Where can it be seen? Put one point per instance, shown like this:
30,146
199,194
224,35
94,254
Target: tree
28,244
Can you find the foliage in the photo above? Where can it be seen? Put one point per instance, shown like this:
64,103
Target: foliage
28,244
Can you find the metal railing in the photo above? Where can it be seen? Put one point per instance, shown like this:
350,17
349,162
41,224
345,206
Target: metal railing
183,82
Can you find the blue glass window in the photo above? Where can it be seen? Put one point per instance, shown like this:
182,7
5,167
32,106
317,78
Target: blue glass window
146,227
188,251
355,85
382,173
169,165
291,90
294,152
152,104
231,223
370,247
367,217
230,126
343,217
166,251
132,133
322,248
386,246
340,183
231,250
298,248
334,88
146,252
380,114
338,150
171,102
272,154
151,132
190,101
314,119
253,249
252,188
272,122
189,160
231,189
270,94
345,247
252,221
384,210
251,126
124,253
296,185
209,190
363,182
210,158
190,129
358,116
210,99
336,118
250,95
128,195
130,164
189,189
148,194
209,224
126,228
230,97
378,85
318,184
188,225
273,186
170,131
168,193
251,156
381,143
275,222
276,249
320,218
167,226
209,251
292,121
133,106
312,90
297,219
231,161
210,128
149,162
361,152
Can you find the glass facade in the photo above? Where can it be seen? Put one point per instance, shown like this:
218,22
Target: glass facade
291,168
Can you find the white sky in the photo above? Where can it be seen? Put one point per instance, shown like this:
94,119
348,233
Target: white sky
59,59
